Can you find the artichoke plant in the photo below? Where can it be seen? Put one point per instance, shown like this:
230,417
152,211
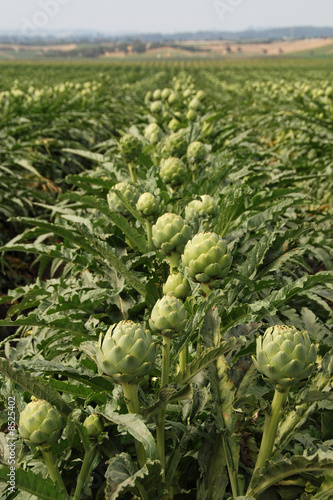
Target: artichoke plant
173,171
126,353
129,191
168,316
206,207
93,425
130,147
40,423
153,133
196,152
156,107
206,258
285,356
177,285
170,233
175,144
147,204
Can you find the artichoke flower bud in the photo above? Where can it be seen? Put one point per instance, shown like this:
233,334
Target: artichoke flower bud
177,285
40,423
157,94
147,204
148,97
196,152
130,147
285,355
206,207
195,103
168,316
126,353
165,94
187,93
129,191
206,258
170,233
191,115
173,171
173,98
200,95
93,425
175,144
174,124
153,133
156,107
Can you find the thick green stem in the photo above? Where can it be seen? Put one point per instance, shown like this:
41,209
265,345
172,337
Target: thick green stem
174,262
149,236
132,172
133,406
53,468
85,471
183,359
271,425
161,414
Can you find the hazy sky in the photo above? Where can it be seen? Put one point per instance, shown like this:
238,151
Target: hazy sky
167,16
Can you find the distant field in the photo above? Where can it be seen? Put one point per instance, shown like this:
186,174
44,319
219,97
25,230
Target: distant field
315,47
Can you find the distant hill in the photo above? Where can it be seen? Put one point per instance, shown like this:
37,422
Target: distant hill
86,36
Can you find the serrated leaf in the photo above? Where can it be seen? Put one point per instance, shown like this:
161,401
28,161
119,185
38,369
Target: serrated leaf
34,385
135,426
34,484
121,476
274,472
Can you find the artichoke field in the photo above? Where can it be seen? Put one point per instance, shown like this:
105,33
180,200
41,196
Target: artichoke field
167,282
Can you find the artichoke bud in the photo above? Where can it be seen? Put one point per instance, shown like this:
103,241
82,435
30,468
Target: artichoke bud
206,258
177,285
207,129
174,124
126,353
173,98
130,147
285,356
170,233
191,115
157,94
173,171
40,423
168,316
156,107
200,95
196,152
165,94
195,104
206,207
129,191
153,133
175,144
93,425
147,204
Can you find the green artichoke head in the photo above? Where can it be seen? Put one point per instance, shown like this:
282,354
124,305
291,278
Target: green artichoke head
147,204
207,129
93,425
129,191
200,95
157,94
206,207
175,144
156,107
168,316
195,104
170,233
174,124
173,98
126,353
130,147
285,356
173,171
40,423
196,152
206,258
153,133
148,97
191,115
165,94
177,285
